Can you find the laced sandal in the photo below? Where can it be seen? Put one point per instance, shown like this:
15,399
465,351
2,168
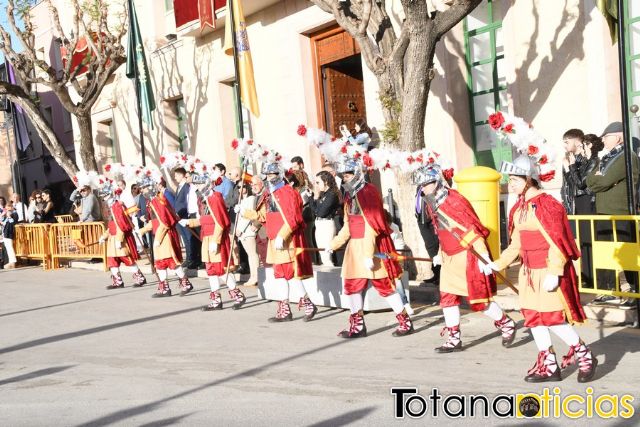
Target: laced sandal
356,329
545,369
405,325
453,342
215,302
507,328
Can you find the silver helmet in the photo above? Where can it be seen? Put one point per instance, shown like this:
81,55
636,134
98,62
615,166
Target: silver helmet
426,175
523,165
148,186
269,168
350,165
107,190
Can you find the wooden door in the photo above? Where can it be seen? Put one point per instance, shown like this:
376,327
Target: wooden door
344,99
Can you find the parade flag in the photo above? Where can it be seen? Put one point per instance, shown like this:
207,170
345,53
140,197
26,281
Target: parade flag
137,67
21,131
206,11
243,52
609,8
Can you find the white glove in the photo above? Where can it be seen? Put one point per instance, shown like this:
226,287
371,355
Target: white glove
118,244
328,251
156,243
278,243
236,208
436,260
486,266
184,222
213,247
368,263
101,240
550,283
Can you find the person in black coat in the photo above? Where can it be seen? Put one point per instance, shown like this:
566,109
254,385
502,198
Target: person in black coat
326,204
428,233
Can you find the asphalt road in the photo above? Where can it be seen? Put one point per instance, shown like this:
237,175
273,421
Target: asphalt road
75,354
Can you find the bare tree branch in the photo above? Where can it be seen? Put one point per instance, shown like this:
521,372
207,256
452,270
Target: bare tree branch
366,15
445,21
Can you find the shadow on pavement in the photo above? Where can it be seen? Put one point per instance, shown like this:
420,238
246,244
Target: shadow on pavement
35,374
346,418
69,335
167,421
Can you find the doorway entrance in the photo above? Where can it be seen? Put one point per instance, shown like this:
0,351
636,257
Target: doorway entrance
339,79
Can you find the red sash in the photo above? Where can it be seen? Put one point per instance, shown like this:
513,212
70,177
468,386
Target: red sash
534,249
356,226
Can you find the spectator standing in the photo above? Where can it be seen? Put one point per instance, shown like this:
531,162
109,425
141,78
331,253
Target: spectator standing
325,204
226,186
89,209
183,193
19,207
246,233
47,208
571,164
608,183
167,192
429,237
240,257
9,219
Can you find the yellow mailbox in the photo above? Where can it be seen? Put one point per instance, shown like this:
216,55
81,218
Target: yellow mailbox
481,186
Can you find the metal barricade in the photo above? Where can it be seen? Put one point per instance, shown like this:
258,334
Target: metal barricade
32,242
78,240
608,242
64,218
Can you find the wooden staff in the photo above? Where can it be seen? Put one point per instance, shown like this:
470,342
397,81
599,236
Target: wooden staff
398,257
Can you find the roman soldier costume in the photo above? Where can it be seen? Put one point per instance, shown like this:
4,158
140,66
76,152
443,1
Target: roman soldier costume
280,209
541,236
463,275
166,246
214,233
366,232
119,238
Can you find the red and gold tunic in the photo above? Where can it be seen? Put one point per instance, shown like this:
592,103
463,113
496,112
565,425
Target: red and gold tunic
460,274
162,221
281,212
367,232
214,228
541,236
120,229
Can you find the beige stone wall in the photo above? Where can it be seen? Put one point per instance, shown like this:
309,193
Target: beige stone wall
561,73
6,144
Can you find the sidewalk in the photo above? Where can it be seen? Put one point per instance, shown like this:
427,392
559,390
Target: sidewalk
73,353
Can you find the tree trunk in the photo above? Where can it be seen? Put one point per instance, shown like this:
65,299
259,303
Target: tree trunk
46,134
87,152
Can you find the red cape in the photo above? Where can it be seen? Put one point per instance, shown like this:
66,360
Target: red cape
458,208
164,214
123,222
371,204
290,204
553,218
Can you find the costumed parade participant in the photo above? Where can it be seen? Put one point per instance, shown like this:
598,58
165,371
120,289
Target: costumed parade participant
166,242
214,233
540,234
119,237
462,273
366,232
280,209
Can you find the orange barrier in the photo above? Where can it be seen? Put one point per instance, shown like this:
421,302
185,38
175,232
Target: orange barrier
32,242
76,240
64,218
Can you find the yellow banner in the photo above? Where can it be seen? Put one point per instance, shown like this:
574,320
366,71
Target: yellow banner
245,64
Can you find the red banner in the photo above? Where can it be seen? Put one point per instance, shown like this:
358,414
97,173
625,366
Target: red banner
207,14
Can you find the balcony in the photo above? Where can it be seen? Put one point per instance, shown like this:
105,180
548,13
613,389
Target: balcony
195,18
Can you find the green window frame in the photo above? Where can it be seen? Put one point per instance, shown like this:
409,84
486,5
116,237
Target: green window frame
488,150
181,120
632,53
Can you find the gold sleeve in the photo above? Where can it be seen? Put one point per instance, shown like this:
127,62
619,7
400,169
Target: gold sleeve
511,253
343,236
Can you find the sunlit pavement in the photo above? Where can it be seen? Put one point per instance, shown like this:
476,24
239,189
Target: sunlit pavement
73,353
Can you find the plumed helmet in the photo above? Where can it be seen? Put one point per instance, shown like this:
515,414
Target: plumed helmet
426,175
523,165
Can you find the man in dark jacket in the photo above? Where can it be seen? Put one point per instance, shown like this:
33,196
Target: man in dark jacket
609,183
